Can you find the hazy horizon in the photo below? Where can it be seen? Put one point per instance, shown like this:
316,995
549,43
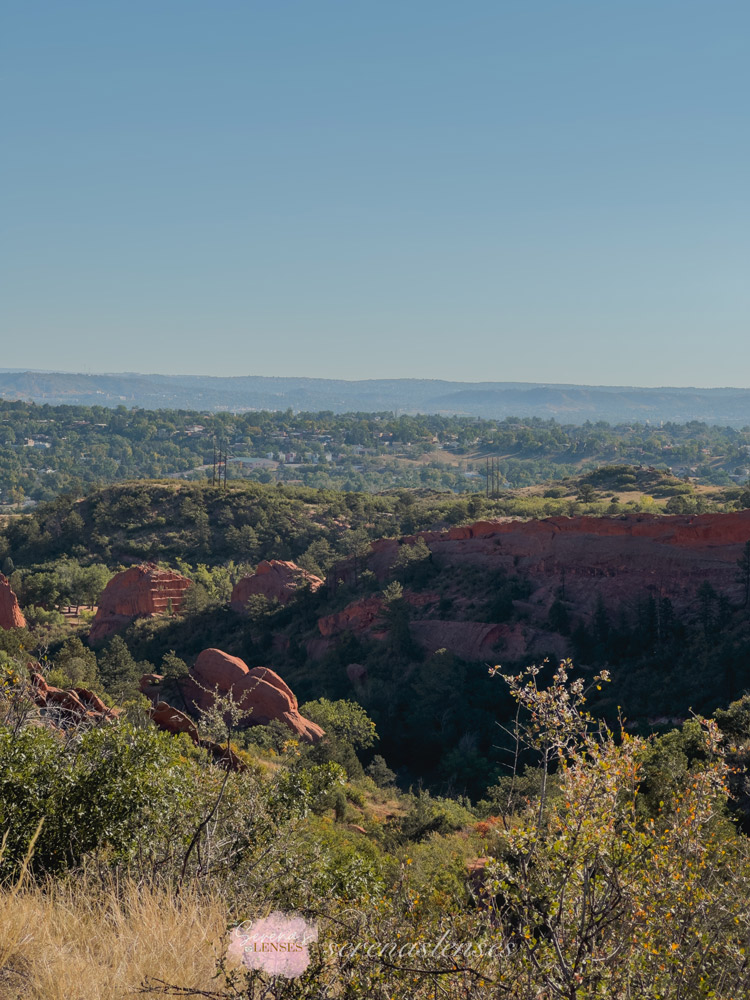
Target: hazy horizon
369,378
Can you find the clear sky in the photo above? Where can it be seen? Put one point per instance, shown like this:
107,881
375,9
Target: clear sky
541,190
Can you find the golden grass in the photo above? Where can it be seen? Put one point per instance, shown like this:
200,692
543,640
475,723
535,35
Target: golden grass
75,941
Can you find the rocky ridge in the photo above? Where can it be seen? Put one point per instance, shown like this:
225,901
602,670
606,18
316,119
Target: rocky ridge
618,560
618,557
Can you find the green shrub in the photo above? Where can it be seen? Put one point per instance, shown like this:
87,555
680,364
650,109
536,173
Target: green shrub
105,788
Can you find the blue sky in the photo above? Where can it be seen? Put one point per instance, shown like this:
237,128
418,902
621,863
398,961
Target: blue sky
531,190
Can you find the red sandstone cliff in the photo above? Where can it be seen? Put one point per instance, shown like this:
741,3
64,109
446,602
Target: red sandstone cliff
274,579
139,592
619,558
10,613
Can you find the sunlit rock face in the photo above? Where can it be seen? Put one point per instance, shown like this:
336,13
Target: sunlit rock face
10,613
274,579
258,691
139,592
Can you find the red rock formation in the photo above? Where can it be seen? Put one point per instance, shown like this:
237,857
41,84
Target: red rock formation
139,592
618,558
259,691
364,616
359,616
10,613
469,640
174,721
78,704
276,580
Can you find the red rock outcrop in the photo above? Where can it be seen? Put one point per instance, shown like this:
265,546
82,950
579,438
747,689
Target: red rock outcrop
259,691
469,640
274,579
10,613
139,592
618,558
359,616
77,704
175,721
364,616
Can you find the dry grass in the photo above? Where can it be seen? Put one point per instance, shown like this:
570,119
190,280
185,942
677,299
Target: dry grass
75,941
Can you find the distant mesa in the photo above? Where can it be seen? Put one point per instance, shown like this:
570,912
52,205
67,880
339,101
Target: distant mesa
139,592
275,579
258,691
11,615
494,400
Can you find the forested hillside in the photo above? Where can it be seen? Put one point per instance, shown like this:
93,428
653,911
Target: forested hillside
45,450
364,764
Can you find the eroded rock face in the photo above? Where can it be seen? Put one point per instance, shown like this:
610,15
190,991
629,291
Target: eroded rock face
276,580
139,592
259,691
365,616
75,704
618,558
10,612
469,640
358,617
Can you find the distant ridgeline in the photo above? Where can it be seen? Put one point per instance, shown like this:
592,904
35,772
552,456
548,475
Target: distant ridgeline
46,449
492,400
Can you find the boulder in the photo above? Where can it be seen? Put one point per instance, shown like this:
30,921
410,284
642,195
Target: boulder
175,721
216,669
143,591
275,580
10,612
75,704
259,691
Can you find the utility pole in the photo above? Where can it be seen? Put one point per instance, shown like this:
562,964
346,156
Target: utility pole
219,475
492,477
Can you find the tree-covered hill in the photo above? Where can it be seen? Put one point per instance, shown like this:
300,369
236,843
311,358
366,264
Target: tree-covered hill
247,521
45,450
